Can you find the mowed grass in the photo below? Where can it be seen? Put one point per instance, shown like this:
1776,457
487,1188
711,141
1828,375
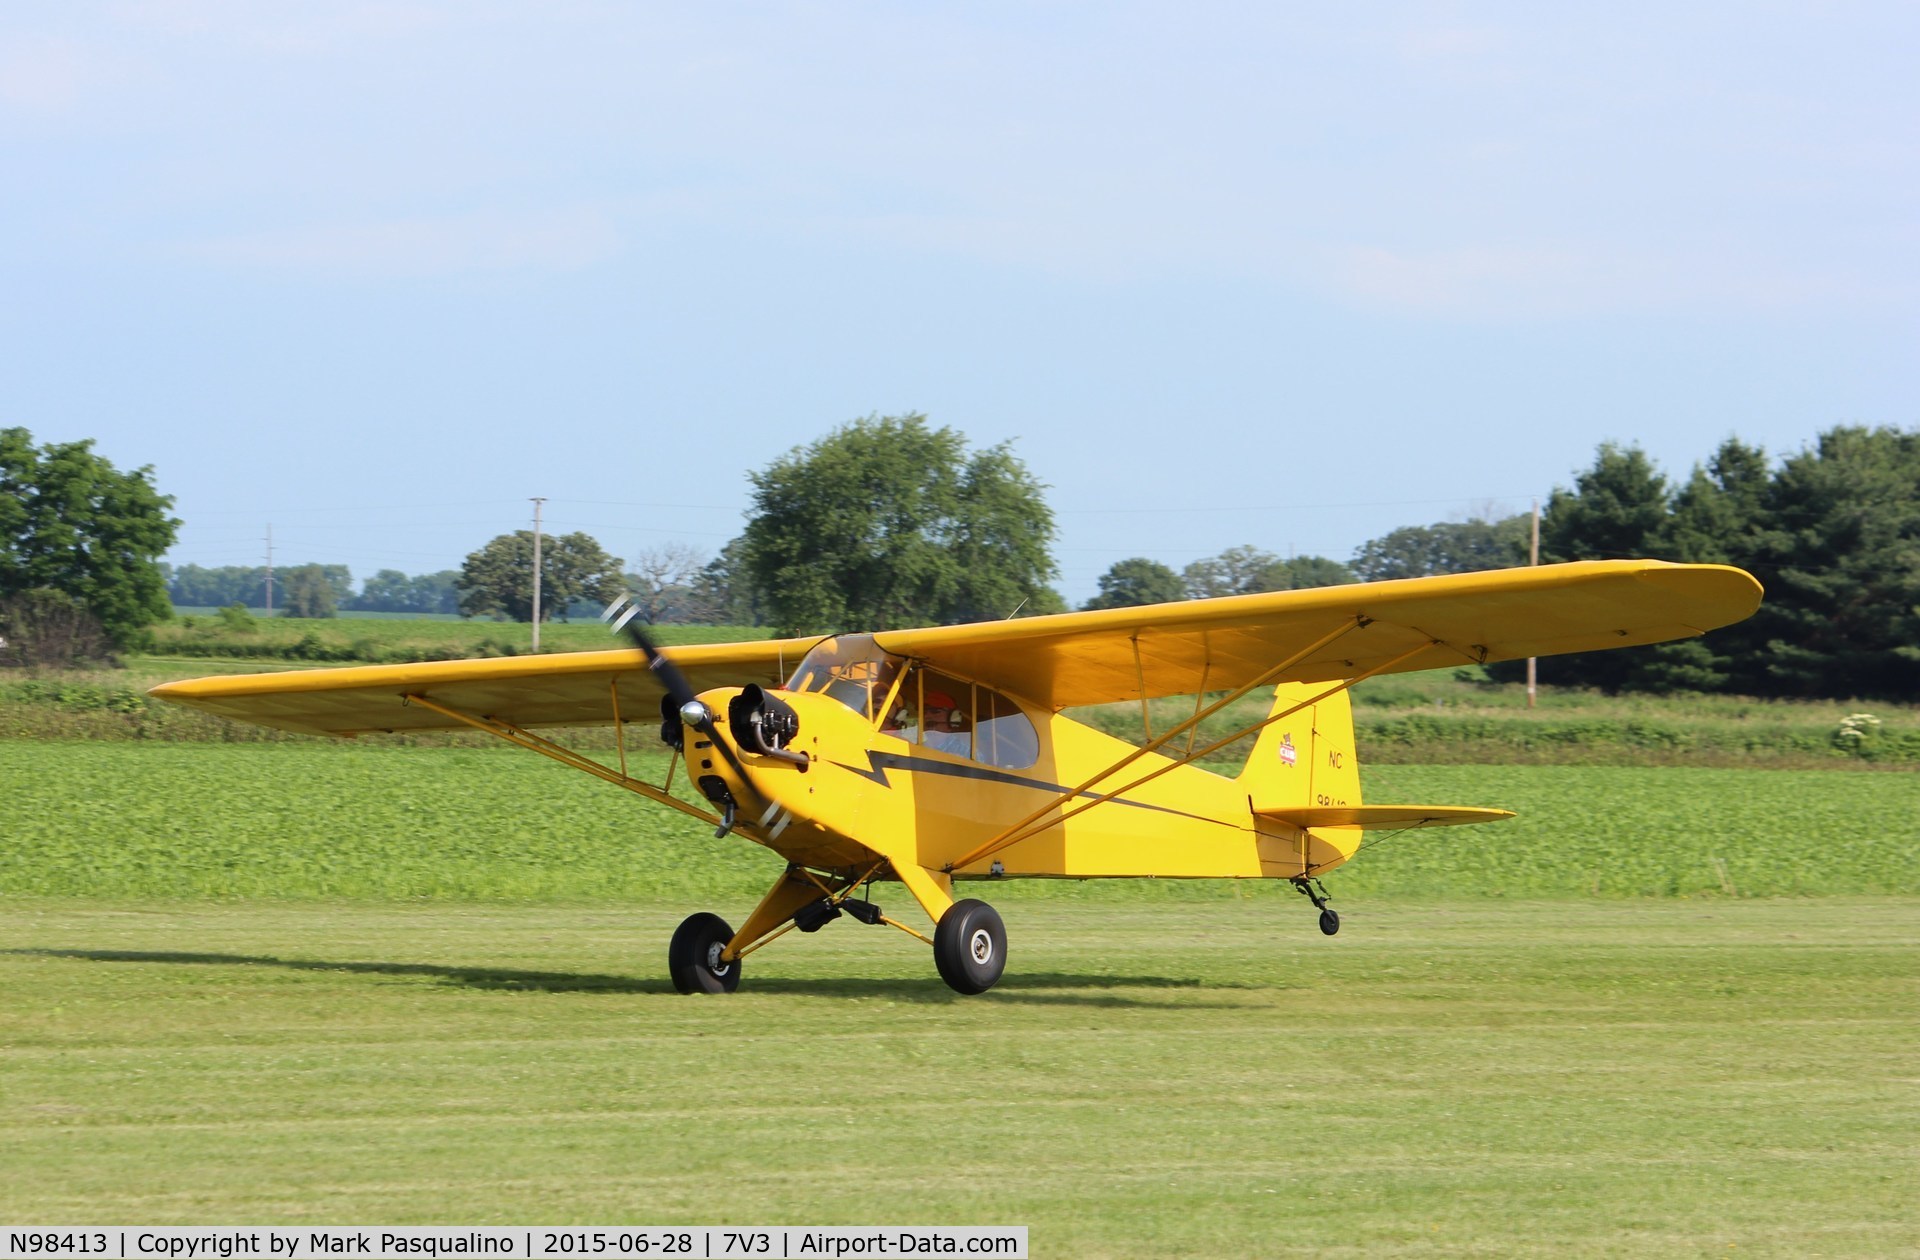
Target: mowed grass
1557,1079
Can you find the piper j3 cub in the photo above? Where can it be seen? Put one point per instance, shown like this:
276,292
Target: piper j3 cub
925,757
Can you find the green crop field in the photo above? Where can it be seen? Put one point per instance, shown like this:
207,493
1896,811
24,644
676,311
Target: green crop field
375,639
329,820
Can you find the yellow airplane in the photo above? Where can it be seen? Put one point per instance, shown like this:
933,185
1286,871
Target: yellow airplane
940,754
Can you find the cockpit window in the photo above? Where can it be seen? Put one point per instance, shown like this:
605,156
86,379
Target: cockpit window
852,669
950,715
1002,734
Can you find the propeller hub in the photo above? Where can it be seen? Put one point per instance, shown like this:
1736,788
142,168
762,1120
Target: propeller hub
695,714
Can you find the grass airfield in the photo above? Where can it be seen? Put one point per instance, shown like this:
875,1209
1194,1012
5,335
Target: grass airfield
303,983
1155,1076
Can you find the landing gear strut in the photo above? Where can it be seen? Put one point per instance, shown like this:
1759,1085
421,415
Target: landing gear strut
1316,892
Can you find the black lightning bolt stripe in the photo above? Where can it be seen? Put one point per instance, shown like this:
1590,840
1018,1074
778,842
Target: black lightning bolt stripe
881,762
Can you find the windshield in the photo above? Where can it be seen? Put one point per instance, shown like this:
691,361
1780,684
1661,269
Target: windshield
852,669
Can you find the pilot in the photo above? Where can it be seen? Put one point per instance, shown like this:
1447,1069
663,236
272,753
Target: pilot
944,725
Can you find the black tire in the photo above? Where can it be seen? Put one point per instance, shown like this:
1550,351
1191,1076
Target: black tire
1329,922
970,946
693,957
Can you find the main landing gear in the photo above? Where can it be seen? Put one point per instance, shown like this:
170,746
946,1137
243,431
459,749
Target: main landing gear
969,945
1313,890
694,956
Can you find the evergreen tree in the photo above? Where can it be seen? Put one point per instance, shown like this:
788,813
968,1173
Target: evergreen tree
1619,509
1839,552
1717,514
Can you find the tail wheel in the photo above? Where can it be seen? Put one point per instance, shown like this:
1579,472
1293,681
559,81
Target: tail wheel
970,946
693,956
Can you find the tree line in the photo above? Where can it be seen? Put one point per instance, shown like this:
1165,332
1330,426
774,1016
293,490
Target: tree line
890,521
1831,531
310,590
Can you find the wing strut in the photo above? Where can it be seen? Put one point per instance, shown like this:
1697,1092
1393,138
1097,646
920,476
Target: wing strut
565,756
1013,834
1024,830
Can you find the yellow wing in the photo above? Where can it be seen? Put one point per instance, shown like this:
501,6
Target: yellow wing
1216,644
562,689
1062,660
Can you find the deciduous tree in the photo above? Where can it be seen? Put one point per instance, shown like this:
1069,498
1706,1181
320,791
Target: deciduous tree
497,580
1249,571
1131,583
197,586
71,522
46,629
1444,547
390,590
306,592
661,581
888,522
725,593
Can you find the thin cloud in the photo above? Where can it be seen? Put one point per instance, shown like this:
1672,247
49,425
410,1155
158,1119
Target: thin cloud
564,240
1518,282
47,75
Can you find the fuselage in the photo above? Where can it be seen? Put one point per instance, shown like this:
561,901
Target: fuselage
878,784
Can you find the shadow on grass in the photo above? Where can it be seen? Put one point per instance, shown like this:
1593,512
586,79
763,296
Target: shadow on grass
470,977
1047,988
1042,988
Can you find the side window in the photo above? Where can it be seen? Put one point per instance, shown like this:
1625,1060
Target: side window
1002,734
953,716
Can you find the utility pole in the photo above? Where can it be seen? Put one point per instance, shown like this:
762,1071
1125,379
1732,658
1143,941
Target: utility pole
536,573
1532,662
269,569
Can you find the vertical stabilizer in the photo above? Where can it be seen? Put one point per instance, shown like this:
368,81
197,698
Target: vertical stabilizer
1306,759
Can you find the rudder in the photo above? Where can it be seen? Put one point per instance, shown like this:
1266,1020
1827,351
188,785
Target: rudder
1305,759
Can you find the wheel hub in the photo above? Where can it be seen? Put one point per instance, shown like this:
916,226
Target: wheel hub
981,946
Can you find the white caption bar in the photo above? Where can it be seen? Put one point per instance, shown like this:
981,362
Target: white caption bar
521,1242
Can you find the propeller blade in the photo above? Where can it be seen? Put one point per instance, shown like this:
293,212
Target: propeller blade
675,682
678,690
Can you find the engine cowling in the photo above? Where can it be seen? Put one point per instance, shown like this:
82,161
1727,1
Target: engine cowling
763,724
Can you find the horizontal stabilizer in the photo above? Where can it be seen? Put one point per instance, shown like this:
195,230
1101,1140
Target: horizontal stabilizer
1384,817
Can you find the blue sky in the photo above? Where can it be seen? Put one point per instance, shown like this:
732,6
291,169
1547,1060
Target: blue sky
1280,275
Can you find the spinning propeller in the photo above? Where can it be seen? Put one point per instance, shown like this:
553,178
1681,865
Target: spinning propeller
761,723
